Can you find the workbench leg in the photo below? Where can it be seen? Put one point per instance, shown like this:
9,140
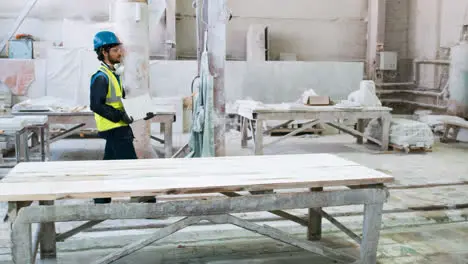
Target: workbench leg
21,234
314,229
13,208
386,120
244,132
47,141
168,140
21,240
42,139
371,232
456,131
47,240
35,136
18,146
12,213
259,137
360,128
445,137
25,146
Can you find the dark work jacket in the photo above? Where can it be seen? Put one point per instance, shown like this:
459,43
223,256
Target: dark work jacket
98,93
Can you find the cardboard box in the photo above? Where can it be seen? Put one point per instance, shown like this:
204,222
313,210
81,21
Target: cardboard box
318,100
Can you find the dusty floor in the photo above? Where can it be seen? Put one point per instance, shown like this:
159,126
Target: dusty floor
407,236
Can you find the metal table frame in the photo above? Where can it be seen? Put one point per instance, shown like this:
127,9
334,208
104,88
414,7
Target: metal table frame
83,120
256,120
217,211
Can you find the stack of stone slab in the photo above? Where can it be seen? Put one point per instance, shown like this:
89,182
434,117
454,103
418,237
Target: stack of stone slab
404,133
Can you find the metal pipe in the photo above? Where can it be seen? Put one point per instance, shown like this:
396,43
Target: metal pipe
413,103
19,20
437,62
410,92
395,84
416,63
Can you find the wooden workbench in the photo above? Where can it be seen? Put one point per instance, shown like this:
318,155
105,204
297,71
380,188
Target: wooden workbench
254,115
257,175
85,120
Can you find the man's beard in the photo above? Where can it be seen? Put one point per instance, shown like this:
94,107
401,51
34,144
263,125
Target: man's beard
112,61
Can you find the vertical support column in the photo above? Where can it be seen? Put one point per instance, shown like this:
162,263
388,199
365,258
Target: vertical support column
258,137
386,120
217,19
168,139
360,128
18,146
47,237
43,143
375,34
132,27
12,212
21,234
47,141
314,230
371,233
25,145
35,135
202,20
171,29
244,129
21,239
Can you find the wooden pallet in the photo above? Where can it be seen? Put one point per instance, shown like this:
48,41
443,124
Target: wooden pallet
410,148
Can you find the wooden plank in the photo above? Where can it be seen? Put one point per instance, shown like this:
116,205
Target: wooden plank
279,235
354,132
462,124
59,180
246,108
299,130
63,236
173,167
170,175
339,225
280,213
22,243
168,140
47,237
244,204
371,232
314,227
315,160
148,186
160,234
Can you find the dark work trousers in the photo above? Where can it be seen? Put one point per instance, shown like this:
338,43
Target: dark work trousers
120,147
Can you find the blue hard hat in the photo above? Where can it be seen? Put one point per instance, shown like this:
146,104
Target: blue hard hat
105,38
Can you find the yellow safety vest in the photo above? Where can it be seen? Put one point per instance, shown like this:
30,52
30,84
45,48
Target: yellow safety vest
113,98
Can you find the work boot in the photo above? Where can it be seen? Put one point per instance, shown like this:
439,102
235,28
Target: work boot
144,199
102,200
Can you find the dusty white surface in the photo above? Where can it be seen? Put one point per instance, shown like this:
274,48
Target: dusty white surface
199,243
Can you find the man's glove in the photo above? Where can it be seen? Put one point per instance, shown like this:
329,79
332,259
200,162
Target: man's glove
148,116
127,119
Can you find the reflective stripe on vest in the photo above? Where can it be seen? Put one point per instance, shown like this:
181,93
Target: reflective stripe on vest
113,98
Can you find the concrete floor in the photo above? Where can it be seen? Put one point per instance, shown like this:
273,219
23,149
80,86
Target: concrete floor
407,237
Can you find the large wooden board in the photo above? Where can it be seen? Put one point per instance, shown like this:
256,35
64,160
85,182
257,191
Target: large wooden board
247,108
123,178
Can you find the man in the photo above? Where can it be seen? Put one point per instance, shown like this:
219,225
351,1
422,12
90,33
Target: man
112,121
